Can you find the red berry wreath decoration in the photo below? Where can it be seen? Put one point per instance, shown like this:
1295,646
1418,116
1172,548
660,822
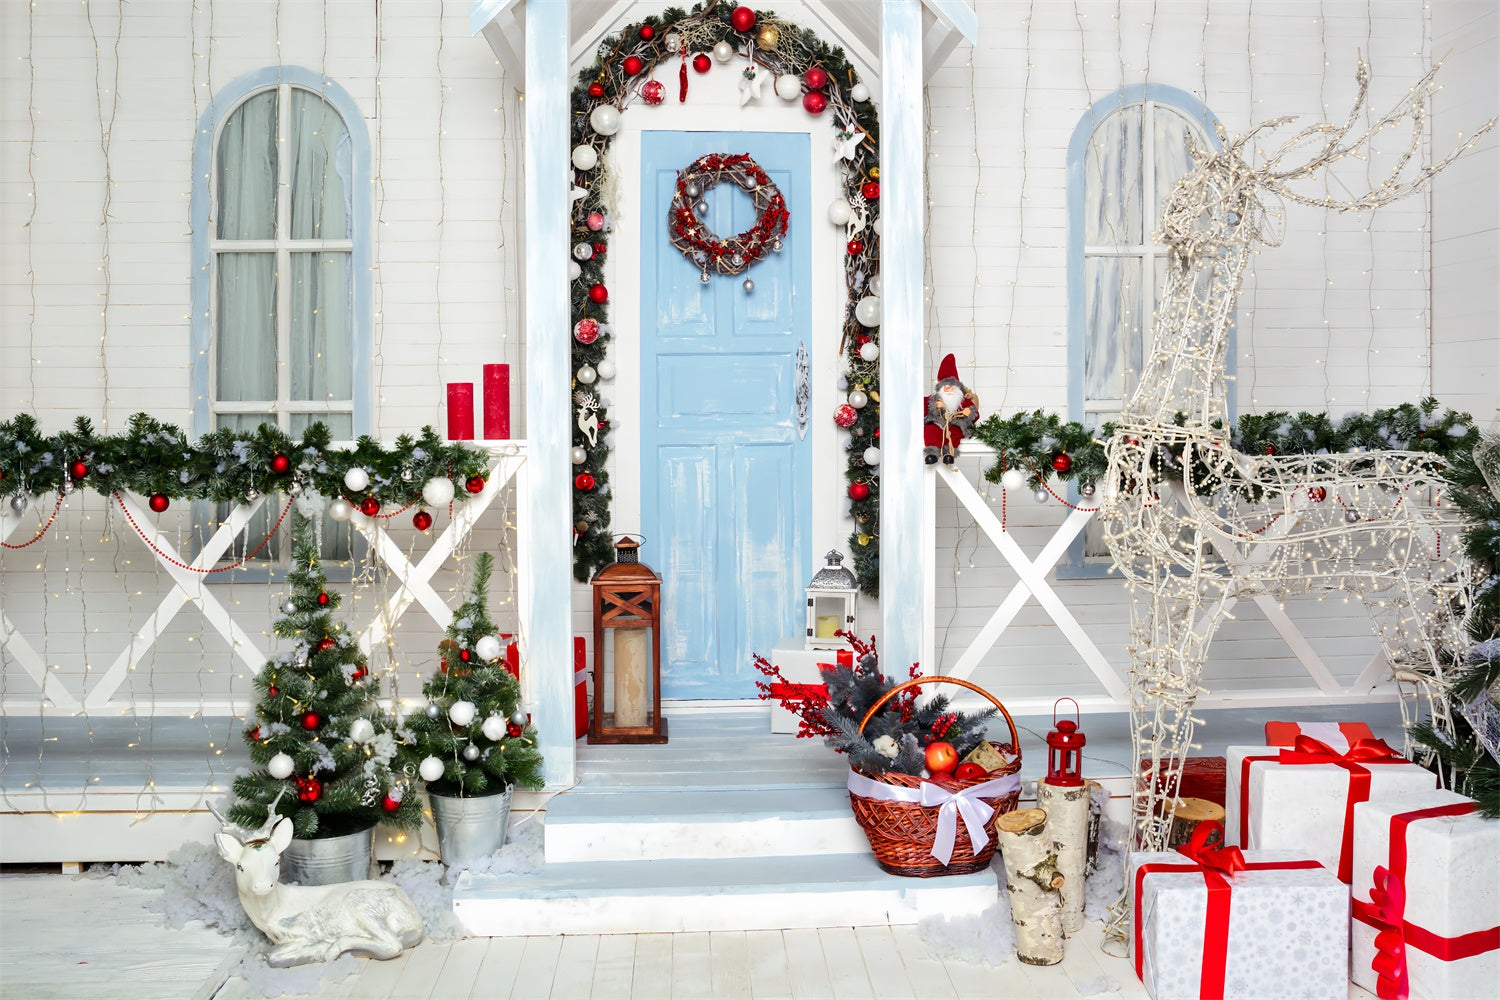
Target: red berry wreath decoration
701,245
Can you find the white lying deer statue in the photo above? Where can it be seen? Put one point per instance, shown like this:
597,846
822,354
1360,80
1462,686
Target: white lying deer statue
1194,525
313,923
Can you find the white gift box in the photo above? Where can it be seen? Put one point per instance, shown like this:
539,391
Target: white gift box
1451,886
1285,929
1307,807
798,666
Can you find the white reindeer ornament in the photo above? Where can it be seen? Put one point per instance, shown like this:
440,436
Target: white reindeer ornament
313,923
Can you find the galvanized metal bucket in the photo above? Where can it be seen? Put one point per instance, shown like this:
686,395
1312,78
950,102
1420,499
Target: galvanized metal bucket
470,827
328,860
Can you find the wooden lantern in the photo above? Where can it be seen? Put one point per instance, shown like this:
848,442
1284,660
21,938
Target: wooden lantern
1065,750
830,604
627,650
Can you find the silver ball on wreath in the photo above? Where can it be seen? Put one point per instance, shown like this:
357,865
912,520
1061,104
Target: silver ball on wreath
518,718
748,284
433,710
19,503
737,260
701,208
703,277
289,608
471,752
1086,491
692,189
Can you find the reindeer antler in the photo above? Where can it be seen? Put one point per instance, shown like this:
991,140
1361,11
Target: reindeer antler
265,828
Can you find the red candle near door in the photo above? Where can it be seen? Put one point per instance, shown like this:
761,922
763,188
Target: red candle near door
496,401
460,411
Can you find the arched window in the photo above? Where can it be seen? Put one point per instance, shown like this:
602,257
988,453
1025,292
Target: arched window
1124,157
281,304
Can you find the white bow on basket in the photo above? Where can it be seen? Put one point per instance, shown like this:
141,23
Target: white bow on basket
966,802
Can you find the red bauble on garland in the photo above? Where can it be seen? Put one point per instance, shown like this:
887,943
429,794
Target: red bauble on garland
652,92
1270,449
845,415
323,599
1318,494
855,247
814,102
474,484
633,65
514,729
280,464
464,654
743,18
325,644
271,691
647,32
158,502
702,63
1063,462
79,469
255,733
308,789
369,506
583,482
421,520
390,805
816,78
596,90
858,491
586,331
360,672
871,190
598,294
311,720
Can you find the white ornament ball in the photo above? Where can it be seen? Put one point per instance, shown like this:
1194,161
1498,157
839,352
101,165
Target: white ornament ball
340,510
580,455
789,87
356,479
494,727
585,157
867,310
587,375
874,285
1013,479
869,350
838,212
877,226
574,271
723,51
606,369
605,120
858,399
872,455
361,730
583,251
859,93
488,648
438,491
431,769
279,766
461,713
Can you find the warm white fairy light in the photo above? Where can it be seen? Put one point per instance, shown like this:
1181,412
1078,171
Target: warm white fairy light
1370,524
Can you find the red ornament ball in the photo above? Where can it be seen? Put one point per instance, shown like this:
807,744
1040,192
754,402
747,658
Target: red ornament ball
586,330
325,644
647,32
280,465
871,190
464,654
858,491
816,78
1062,462
159,502
814,102
595,222
474,484
855,247
702,63
369,506
633,65
390,805
79,469
359,672
583,482
309,789
421,520
598,294
255,733
1318,494
323,599
513,729
311,720
1270,449
596,90
271,691
652,92
845,415
743,18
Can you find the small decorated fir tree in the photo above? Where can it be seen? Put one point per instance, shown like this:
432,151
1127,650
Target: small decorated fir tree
472,737
319,734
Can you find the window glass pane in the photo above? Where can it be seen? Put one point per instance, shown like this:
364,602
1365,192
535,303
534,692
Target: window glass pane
1112,181
260,525
245,327
338,538
246,171
1170,160
322,155
321,362
1112,328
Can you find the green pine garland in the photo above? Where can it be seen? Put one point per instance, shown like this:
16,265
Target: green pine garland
796,51
311,701
506,756
152,458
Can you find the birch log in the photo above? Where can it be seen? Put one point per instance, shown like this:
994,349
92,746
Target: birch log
1067,810
1033,881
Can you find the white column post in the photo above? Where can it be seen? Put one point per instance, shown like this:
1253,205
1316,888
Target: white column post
548,587
902,150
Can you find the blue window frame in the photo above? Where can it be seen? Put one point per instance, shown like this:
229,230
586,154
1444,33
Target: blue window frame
1123,158
281,324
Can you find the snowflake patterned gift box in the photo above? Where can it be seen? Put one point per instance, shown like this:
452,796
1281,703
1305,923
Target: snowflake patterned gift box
1220,923
1426,888
1302,798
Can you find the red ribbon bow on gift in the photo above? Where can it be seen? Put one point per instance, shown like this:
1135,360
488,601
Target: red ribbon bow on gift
1388,907
1216,856
1307,750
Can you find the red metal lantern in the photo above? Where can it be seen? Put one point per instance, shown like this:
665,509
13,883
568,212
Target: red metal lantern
1065,750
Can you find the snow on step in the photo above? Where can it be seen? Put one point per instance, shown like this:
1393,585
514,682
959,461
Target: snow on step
637,825
712,894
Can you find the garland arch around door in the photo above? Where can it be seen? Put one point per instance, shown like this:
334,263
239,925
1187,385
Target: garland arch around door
776,59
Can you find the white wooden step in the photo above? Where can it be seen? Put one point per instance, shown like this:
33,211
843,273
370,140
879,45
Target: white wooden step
714,894
650,824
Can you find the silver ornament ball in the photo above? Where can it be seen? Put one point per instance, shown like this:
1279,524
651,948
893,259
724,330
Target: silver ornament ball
290,608
471,752
748,284
19,503
518,718
433,710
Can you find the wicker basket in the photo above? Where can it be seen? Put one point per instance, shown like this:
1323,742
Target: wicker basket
902,833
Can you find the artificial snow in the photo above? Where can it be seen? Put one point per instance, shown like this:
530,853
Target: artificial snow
989,938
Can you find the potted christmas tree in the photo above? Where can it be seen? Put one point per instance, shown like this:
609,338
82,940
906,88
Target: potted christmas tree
319,739
472,744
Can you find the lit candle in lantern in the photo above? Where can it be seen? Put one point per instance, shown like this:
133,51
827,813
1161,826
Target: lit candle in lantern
460,411
496,401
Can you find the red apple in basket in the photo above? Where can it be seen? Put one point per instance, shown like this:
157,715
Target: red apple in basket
970,771
941,757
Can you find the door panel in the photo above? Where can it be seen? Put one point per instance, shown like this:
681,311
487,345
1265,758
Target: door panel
724,472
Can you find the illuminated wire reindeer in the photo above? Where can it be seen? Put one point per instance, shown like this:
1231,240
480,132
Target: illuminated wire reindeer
1194,524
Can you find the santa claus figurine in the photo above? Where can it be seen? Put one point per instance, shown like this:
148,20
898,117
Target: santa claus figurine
949,414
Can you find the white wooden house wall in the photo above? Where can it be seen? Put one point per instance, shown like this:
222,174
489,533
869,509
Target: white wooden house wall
447,270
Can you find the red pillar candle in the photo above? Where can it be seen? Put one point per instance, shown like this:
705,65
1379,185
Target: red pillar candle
496,401
460,411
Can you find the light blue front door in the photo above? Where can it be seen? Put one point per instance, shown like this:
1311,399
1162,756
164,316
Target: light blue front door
725,469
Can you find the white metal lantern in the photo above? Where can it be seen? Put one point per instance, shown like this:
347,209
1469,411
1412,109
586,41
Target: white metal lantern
830,604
